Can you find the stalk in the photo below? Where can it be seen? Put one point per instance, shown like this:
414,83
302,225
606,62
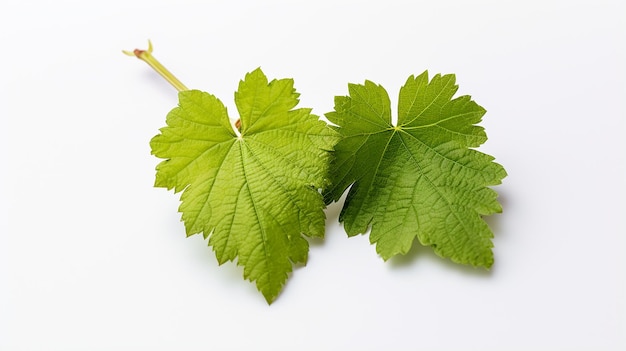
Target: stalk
146,56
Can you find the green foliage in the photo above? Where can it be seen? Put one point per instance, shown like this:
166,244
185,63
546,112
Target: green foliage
255,192
420,179
251,194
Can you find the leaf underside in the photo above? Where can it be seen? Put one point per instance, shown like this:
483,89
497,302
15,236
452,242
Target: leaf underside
254,194
420,179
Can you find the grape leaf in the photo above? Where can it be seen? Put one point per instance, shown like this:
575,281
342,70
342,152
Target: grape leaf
251,194
420,179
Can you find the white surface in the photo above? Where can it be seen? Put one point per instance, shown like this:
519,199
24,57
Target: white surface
93,258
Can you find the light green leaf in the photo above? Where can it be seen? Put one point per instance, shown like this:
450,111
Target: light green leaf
252,195
420,179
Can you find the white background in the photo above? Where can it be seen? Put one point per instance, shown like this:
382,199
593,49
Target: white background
92,257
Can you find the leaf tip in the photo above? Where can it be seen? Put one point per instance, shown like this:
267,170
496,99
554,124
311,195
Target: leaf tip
269,298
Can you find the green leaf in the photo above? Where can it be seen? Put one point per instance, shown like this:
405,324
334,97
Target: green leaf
420,179
252,195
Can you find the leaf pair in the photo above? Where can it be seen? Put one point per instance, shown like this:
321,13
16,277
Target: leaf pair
257,192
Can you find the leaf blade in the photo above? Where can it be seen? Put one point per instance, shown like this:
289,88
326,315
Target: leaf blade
254,196
426,183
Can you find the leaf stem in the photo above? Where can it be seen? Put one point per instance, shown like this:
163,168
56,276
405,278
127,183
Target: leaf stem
146,56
